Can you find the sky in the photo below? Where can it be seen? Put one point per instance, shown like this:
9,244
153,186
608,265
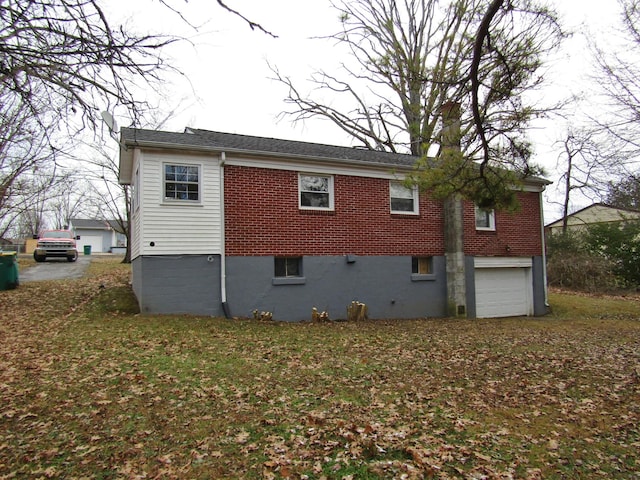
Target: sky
227,85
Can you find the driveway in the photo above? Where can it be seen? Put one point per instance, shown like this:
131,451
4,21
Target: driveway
55,269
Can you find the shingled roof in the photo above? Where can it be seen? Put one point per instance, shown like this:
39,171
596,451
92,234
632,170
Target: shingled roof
230,142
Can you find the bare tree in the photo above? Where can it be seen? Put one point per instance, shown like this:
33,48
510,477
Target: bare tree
110,200
624,192
66,54
73,199
62,62
411,57
585,163
619,79
26,157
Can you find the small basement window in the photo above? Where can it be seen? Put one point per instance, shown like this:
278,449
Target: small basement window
288,271
422,265
422,268
288,266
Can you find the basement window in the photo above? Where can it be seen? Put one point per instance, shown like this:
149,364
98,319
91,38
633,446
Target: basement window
288,271
422,268
422,265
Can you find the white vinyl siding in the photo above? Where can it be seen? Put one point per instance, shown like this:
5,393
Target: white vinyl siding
175,227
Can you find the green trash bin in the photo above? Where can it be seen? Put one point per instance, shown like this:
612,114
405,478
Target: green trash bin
87,249
8,271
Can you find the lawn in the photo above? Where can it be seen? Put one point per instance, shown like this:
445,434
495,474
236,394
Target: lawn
91,389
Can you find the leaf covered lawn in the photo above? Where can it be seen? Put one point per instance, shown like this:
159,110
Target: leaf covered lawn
90,389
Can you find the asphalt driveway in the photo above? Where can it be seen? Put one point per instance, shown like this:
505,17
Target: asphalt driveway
55,269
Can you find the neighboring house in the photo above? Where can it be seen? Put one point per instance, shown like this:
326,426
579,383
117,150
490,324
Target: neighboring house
225,224
102,235
591,215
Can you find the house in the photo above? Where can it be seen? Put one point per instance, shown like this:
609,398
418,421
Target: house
593,214
103,236
225,224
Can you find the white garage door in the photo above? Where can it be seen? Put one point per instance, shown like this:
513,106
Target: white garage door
94,240
503,292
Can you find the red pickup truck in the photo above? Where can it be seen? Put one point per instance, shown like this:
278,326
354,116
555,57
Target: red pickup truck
56,243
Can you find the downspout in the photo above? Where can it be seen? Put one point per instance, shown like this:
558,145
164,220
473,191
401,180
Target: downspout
223,262
544,253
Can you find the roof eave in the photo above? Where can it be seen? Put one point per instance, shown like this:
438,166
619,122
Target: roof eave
257,153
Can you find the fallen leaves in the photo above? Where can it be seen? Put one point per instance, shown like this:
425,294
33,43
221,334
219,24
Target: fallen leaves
89,389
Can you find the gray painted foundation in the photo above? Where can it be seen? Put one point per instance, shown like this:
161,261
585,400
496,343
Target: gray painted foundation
539,291
190,284
178,284
330,283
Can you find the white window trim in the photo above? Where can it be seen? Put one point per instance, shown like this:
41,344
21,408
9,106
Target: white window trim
178,201
330,192
492,219
416,196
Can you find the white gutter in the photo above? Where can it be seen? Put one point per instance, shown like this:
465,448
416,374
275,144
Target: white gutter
223,263
544,252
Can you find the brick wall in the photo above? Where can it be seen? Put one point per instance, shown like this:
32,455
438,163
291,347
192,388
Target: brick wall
262,218
517,234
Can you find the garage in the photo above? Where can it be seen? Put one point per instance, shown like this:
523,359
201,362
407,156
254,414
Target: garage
94,240
503,287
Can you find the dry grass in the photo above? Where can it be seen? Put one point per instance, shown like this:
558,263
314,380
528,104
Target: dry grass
90,389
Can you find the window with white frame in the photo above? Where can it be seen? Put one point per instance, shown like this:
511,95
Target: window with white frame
403,199
485,219
182,182
316,191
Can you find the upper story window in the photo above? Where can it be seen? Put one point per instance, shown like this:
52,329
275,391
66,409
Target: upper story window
403,199
316,192
485,219
182,182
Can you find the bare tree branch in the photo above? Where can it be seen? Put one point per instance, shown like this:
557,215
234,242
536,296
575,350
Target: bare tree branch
253,25
411,57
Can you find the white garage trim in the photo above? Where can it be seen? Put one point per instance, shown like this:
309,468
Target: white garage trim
503,262
503,287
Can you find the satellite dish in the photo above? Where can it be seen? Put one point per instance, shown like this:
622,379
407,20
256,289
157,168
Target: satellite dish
113,127
110,121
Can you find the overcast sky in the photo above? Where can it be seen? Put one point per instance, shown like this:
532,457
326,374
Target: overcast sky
227,83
